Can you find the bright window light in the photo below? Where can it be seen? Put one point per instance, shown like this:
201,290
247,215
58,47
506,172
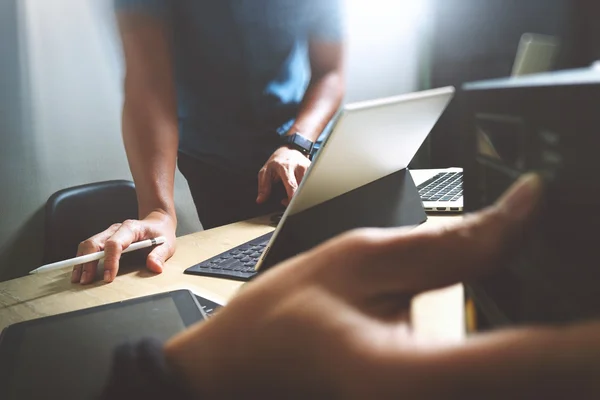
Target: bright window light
395,14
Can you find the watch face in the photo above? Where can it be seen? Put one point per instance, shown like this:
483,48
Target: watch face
299,142
302,142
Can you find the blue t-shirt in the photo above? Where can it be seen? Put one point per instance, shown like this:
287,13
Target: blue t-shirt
241,70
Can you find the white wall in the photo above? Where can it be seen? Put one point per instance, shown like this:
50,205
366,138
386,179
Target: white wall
61,100
385,39
74,93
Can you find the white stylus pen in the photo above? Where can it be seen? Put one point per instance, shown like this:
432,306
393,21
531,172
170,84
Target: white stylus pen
97,256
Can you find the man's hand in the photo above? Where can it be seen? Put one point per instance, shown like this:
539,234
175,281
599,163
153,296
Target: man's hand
285,165
118,237
334,322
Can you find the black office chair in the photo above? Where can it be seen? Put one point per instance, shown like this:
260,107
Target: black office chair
74,214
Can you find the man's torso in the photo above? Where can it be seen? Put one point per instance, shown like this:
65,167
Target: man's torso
241,70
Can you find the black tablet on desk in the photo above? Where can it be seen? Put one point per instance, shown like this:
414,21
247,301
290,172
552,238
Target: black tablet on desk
68,356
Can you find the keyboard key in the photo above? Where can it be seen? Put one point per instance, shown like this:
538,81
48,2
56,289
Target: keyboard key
441,186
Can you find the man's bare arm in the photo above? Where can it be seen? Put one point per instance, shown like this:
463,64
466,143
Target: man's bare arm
532,362
325,91
149,113
151,140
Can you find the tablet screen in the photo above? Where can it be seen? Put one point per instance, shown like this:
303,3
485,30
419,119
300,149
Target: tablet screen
70,356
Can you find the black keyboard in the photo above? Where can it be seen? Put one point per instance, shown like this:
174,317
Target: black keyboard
238,263
445,186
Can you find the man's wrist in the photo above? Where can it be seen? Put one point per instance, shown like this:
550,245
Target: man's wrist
299,142
166,214
140,370
199,367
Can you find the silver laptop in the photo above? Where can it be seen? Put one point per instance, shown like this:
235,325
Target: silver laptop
370,140
441,189
536,53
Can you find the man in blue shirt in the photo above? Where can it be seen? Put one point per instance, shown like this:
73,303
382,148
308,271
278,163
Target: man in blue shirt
233,91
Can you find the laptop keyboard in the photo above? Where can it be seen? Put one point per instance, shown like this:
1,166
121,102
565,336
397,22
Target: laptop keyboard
445,186
238,263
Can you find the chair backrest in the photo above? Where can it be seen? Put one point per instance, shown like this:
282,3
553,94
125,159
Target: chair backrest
77,213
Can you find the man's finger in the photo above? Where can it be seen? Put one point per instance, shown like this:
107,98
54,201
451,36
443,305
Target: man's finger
264,185
299,172
289,181
129,232
89,246
85,273
418,260
157,258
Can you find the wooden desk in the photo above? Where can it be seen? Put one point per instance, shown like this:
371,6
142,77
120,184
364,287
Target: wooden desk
438,314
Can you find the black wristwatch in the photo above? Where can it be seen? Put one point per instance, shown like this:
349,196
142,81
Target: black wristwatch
298,142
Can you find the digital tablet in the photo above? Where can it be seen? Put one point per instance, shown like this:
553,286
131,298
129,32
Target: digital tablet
69,355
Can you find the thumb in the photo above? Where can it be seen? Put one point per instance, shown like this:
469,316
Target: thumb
429,258
486,238
264,186
157,258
